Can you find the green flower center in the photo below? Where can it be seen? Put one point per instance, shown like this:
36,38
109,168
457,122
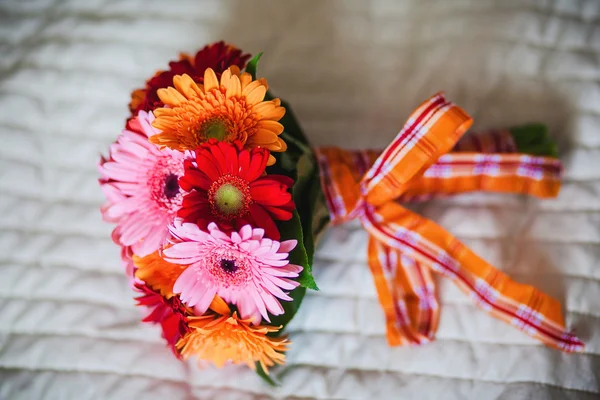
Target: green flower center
229,197
215,128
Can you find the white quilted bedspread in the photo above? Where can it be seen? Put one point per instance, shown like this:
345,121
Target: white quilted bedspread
353,70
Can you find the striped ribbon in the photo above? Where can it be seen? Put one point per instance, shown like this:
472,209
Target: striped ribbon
406,248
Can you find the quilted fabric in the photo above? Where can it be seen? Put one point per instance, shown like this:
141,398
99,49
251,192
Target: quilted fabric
353,70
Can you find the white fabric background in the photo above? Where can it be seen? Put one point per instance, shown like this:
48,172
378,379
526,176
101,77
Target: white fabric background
353,70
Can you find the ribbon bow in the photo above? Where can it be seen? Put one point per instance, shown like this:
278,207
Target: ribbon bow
405,248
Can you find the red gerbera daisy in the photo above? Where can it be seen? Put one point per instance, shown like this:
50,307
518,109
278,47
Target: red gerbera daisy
170,313
226,186
219,56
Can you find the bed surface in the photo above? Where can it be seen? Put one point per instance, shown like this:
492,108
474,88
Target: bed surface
353,71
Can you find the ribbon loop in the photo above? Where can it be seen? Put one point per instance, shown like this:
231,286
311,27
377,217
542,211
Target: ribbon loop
405,248
432,130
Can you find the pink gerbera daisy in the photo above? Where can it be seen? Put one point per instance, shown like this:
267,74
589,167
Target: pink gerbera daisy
140,182
244,268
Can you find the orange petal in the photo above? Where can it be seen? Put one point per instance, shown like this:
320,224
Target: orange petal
262,138
272,126
226,78
170,96
255,94
235,70
219,306
271,160
245,79
185,85
234,89
210,80
263,82
250,87
277,146
157,273
282,144
268,110
159,112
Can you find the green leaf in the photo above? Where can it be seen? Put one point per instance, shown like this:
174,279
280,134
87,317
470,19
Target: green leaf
534,139
292,229
253,64
261,372
318,213
305,170
288,162
291,124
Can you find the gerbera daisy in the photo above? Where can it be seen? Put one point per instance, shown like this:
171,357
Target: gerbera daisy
243,268
170,313
219,56
224,337
228,109
142,181
159,274
226,185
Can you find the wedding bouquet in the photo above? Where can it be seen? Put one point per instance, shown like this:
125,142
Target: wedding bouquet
218,200
212,187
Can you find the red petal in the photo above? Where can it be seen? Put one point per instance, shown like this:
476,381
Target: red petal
207,164
269,193
170,327
193,179
219,155
280,213
244,163
264,220
194,206
284,180
258,163
202,222
194,200
231,155
157,315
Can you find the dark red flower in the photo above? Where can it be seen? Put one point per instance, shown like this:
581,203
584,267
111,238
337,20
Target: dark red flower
219,56
170,313
226,185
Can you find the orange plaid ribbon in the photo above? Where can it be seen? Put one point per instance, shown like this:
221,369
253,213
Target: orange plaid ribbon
405,248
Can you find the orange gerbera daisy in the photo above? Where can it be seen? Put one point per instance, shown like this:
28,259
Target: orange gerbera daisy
227,110
221,337
159,274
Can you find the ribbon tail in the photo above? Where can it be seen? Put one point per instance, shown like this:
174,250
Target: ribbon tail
523,306
407,295
455,173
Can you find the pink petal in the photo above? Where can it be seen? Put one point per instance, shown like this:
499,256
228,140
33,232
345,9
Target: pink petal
246,232
272,304
134,231
236,238
259,303
186,281
184,252
258,233
126,206
275,290
288,246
